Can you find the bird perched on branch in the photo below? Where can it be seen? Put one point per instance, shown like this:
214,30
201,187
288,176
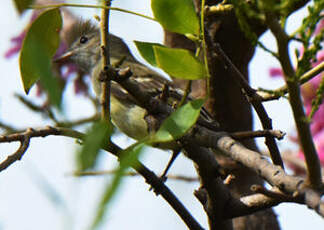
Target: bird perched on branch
126,113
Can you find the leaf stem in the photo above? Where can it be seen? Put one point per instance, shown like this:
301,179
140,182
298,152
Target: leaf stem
202,34
90,6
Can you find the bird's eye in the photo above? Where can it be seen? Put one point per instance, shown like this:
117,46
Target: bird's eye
83,39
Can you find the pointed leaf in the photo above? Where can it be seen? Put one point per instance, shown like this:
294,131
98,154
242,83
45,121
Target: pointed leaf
179,122
176,15
146,51
179,63
128,157
98,135
39,46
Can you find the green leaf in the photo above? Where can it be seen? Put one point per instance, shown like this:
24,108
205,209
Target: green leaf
97,136
39,46
176,15
179,122
146,51
128,157
22,5
179,63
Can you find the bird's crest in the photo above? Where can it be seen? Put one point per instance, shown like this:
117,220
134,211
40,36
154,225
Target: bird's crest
81,27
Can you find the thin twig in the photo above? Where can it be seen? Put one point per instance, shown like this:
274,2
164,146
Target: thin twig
89,6
248,205
258,133
273,194
49,114
149,176
203,34
36,108
106,83
256,102
131,174
82,121
292,82
228,180
24,143
277,93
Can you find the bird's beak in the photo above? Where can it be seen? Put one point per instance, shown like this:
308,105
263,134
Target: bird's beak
64,57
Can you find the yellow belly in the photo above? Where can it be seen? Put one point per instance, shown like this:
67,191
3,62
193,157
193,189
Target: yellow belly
129,119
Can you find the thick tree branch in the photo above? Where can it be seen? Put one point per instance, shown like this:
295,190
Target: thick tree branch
252,203
273,174
217,194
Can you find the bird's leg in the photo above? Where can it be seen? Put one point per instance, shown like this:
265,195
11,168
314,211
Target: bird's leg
163,177
175,154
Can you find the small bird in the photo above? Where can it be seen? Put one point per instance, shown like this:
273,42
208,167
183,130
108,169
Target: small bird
126,113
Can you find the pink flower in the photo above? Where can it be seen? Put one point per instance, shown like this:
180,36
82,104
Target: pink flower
319,57
319,27
17,43
317,124
319,144
275,72
309,89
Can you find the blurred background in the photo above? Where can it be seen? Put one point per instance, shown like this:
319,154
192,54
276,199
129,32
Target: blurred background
40,192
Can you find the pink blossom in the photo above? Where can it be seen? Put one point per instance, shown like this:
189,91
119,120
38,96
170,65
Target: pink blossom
17,43
319,27
309,89
275,72
317,124
319,57
319,144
